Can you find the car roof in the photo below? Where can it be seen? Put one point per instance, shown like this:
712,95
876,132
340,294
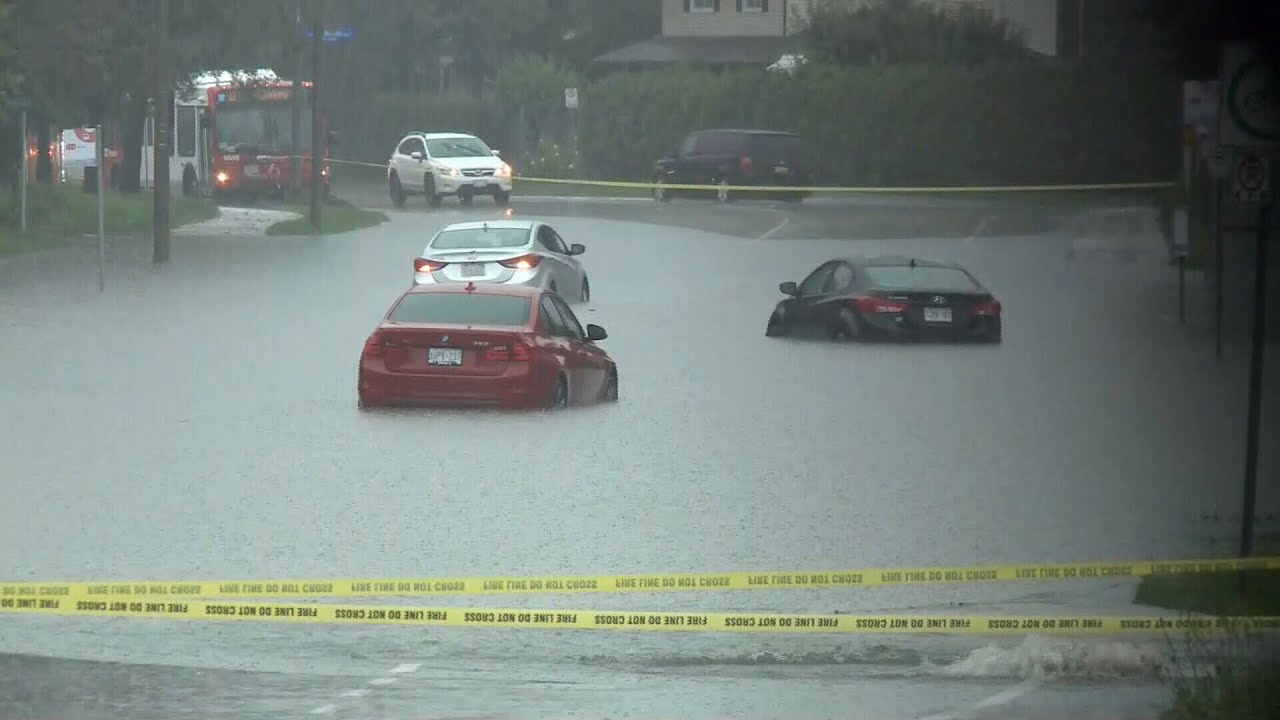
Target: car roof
443,135
478,224
748,131
899,260
477,289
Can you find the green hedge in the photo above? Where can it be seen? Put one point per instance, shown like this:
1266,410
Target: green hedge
1022,124
1000,125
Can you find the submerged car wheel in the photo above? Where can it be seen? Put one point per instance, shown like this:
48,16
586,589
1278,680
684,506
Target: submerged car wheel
848,327
560,399
610,392
397,192
777,326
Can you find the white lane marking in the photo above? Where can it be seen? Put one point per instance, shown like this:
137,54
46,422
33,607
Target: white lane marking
776,228
1003,697
982,225
406,668
382,681
361,692
324,709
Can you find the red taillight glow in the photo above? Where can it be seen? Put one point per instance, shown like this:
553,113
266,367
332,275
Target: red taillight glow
425,265
879,305
524,262
744,163
373,345
516,352
989,306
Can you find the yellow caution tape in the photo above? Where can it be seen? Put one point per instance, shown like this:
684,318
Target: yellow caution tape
665,582
854,189
1150,185
643,621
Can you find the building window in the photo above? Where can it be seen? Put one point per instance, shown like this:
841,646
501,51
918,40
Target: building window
702,6
753,6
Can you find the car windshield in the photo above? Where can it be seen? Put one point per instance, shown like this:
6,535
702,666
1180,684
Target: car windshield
905,277
461,308
458,147
505,237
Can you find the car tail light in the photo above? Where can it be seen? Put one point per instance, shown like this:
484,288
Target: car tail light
373,345
873,305
987,306
524,262
744,163
425,265
516,352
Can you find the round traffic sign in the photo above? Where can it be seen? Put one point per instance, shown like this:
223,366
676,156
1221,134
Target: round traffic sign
1251,173
1253,99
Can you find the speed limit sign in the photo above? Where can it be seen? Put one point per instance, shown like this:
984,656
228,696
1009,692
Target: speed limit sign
1251,179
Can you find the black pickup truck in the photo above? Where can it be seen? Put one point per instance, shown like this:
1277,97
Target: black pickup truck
726,158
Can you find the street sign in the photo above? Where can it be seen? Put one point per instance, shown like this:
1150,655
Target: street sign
1251,180
335,35
20,102
1250,108
571,98
1218,158
1200,105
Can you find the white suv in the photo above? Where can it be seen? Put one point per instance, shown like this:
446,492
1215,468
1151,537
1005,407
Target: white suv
438,164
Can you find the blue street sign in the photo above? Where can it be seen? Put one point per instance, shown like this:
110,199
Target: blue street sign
335,35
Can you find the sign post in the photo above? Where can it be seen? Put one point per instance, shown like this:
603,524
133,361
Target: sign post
22,104
1249,119
571,103
1181,248
100,156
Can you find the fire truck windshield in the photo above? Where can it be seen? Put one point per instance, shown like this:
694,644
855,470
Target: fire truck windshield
259,128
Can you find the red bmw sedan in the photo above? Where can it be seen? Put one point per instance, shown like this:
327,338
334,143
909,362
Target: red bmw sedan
484,345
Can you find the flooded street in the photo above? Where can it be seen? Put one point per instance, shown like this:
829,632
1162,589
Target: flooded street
199,421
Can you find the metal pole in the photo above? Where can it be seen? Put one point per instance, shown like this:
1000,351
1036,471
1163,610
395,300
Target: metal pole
22,181
100,157
317,157
1218,271
295,110
164,105
1182,290
1255,387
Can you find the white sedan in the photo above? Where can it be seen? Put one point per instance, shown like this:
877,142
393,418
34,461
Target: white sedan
436,165
511,252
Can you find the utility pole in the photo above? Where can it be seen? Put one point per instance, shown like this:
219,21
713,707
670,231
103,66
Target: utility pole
317,155
295,120
163,104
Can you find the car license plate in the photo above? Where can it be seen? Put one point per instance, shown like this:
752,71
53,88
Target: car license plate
938,315
444,356
480,181
250,170
472,269
782,170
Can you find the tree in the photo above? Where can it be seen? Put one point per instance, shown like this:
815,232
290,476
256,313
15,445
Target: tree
909,31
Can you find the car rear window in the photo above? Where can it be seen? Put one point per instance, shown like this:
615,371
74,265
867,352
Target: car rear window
776,146
462,308
480,238
905,277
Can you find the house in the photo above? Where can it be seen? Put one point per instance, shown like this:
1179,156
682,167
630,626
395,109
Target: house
759,32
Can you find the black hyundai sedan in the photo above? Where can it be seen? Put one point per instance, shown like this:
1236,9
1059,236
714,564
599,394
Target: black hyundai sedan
887,296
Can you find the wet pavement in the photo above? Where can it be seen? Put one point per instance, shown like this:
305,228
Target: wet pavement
199,420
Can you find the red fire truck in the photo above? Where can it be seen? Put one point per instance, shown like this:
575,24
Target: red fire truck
232,135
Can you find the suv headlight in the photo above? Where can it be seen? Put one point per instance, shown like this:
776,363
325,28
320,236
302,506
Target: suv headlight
504,171
447,171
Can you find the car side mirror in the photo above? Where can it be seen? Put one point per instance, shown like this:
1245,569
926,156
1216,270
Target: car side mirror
416,155
577,249
497,153
789,288
595,332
